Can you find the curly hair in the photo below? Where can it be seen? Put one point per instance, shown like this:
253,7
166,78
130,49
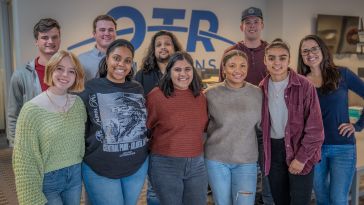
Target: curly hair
149,62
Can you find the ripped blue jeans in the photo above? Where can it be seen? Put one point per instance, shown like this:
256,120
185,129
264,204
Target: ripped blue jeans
232,183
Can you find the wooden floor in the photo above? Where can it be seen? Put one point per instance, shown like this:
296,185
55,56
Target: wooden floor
7,186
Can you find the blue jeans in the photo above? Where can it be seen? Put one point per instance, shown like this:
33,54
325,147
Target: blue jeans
63,186
179,180
152,198
232,183
105,191
334,174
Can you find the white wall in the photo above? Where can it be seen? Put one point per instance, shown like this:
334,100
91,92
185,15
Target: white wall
299,20
76,16
287,19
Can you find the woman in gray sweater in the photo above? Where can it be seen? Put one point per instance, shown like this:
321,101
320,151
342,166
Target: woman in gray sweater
231,147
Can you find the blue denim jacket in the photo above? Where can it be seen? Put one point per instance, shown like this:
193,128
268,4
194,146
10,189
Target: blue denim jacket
304,132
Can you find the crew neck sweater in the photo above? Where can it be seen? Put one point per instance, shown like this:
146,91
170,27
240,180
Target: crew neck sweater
234,125
177,123
45,141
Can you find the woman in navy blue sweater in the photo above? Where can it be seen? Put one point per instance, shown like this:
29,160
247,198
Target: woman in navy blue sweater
334,174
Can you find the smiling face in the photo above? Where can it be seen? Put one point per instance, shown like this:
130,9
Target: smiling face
235,70
252,28
163,48
64,75
48,42
104,34
119,63
311,54
181,74
277,61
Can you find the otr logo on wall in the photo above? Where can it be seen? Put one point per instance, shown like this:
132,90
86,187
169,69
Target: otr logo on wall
168,16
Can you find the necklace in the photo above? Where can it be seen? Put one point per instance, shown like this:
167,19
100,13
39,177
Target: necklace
61,108
277,87
277,92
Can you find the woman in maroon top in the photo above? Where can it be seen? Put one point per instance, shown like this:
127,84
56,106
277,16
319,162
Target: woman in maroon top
177,117
292,128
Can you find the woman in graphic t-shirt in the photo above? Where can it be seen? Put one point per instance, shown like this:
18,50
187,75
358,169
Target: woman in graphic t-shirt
115,163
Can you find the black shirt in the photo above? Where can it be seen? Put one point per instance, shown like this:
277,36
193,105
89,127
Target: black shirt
116,139
149,80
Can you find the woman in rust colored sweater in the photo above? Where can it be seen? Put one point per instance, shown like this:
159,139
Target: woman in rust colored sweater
177,118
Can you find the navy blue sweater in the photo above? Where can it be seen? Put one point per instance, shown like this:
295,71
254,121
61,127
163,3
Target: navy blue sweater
334,108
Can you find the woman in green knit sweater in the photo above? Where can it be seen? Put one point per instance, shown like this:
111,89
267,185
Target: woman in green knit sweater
49,142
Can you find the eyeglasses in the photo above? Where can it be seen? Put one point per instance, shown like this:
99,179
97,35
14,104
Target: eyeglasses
313,50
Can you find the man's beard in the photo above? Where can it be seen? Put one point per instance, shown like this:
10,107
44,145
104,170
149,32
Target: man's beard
163,60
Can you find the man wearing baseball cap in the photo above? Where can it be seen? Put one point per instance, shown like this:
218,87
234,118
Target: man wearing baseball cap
252,26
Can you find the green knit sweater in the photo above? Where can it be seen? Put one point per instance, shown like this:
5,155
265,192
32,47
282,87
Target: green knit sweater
45,141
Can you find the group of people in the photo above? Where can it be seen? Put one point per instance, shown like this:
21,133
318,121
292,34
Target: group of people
265,128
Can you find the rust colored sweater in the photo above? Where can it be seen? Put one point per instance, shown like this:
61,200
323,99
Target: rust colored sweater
177,123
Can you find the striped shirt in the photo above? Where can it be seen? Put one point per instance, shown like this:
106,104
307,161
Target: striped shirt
177,123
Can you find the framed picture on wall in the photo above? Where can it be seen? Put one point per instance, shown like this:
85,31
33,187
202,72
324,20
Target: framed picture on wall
340,33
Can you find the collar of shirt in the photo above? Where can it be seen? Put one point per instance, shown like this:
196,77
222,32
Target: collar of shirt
97,52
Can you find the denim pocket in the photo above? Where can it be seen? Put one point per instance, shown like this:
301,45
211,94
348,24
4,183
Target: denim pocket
52,181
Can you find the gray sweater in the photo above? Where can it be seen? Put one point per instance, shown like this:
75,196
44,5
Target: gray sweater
24,86
234,126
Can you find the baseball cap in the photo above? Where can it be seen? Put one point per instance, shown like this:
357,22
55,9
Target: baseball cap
251,11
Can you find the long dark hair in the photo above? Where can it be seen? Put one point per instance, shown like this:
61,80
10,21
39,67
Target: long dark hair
166,84
149,62
329,71
115,44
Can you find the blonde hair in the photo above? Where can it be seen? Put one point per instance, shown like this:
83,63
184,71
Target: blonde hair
52,64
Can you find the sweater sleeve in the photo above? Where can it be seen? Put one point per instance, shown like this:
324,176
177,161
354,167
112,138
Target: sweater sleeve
357,85
313,132
152,111
27,161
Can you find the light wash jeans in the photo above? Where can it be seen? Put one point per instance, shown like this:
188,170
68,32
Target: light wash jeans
232,183
179,180
334,174
63,186
105,191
